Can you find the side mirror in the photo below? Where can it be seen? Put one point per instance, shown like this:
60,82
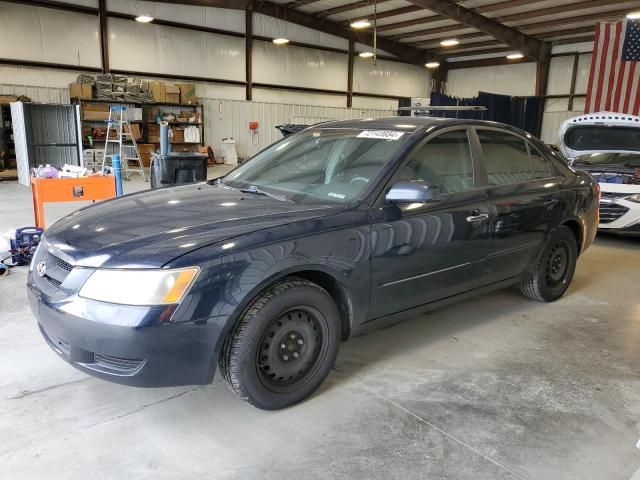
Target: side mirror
413,192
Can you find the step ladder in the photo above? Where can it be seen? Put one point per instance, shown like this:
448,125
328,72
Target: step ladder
124,144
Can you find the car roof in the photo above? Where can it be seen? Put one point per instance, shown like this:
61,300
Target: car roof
405,123
392,123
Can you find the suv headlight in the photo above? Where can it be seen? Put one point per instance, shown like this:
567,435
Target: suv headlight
634,198
139,287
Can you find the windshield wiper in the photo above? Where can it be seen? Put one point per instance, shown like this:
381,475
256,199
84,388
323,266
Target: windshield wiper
255,190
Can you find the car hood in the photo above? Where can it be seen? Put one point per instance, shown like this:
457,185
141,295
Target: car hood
149,229
614,178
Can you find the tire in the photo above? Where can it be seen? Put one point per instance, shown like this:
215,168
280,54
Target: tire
554,270
267,360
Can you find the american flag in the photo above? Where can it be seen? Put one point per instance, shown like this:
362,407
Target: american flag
614,80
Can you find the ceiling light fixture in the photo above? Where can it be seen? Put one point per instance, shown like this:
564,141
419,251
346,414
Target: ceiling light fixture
360,24
432,64
515,56
366,54
280,41
633,16
450,43
144,19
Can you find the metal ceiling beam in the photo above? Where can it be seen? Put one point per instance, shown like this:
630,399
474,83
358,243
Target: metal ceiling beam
529,46
57,6
487,51
406,52
393,13
525,26
346,8
300,3
488,43
485,62
436,41
435,18
572,7
565,31
233,4
463,47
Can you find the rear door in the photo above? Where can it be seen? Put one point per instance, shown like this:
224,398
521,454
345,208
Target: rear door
427,251
525,200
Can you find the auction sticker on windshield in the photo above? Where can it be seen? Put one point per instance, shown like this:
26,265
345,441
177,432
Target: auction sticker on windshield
381,134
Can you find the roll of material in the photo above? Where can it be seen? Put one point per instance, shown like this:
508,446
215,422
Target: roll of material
164,138
116,162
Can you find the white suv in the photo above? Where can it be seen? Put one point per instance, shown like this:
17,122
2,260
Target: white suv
607,145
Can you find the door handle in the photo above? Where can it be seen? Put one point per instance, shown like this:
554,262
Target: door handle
477,217
551,202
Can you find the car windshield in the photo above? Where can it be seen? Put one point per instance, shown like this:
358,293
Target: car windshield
319,165
601,137
601,159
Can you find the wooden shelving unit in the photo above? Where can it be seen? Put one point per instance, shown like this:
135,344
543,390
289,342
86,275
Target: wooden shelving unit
149,114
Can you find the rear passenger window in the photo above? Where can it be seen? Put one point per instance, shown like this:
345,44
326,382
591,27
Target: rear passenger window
539,164
444,161
511,159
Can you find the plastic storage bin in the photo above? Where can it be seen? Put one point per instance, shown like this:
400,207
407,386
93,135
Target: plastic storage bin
177,169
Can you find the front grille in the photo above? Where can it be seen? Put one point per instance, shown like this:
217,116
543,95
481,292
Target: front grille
123,365
610,212
614,195
52,281
57,269
62,264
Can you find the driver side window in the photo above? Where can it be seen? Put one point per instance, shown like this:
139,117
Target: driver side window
444,161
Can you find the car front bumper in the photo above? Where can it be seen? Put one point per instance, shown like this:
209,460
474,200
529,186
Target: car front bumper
129,345
619,216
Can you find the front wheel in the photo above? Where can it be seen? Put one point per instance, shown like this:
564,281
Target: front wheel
555,268
284,345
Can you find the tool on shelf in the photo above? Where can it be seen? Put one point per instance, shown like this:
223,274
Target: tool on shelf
126,146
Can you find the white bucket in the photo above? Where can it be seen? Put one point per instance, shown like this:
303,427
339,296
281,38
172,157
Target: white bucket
229,151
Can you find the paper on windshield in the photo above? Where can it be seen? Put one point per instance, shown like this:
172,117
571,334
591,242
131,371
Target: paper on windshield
381,134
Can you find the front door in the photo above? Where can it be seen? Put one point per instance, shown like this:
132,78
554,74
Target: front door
423,252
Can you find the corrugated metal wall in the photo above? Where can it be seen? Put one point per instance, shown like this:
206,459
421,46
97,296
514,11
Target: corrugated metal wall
230,118
37,94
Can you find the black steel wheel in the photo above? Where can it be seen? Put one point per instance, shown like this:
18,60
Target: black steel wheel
290,348
283,346
553,272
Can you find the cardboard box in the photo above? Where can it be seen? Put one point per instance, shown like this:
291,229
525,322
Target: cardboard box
158,90
187,92
146,150
153,138
91,115
80,90
7,99
135,131
178,135
172,94
95,111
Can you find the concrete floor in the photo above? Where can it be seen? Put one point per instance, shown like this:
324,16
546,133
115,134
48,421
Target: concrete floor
498,388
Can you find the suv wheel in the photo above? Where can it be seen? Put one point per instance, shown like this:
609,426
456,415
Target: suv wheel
554,270
284,345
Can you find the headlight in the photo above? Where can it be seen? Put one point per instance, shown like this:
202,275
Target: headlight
634,198
139,287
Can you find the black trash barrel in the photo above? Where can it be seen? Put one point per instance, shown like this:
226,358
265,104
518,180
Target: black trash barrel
177,169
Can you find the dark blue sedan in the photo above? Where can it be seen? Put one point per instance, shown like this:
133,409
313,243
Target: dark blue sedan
341,228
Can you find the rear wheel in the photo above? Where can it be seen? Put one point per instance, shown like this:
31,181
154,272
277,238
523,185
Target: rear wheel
554,270
283,346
